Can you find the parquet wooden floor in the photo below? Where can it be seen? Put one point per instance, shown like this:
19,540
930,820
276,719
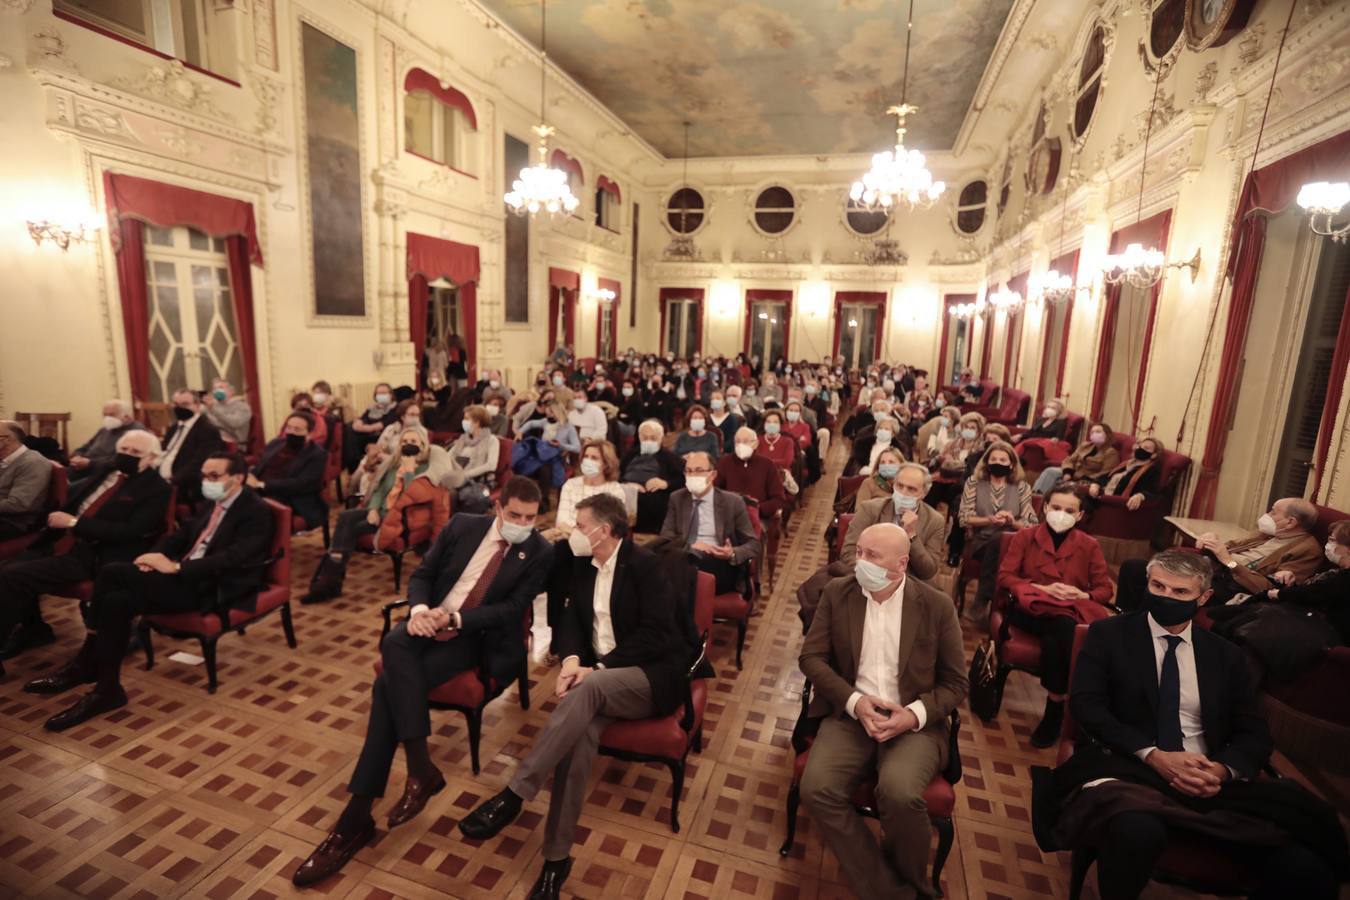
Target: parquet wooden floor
183,794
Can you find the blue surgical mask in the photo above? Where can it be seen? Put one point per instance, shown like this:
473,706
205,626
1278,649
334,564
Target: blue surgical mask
871,577
905,501
213,490
888,470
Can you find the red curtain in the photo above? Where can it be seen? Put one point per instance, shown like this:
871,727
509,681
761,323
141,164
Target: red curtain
1266,191
1331,406
611,285
1070,263
1111,300
430,258
167,205
562,161
561,278
468,304
876,298
437,258
610,187
419,292
135,309
241,292
420,80
1012,343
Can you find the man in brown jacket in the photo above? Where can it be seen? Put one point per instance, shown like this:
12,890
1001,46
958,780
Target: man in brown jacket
885,657
905,507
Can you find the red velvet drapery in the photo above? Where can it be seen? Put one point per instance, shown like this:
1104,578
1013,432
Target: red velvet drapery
986,337
419,292
610,187
562,161
422,80
130,244
758,295
1266,191
609,284
560,281
1331,406
241,293
562,278
430,258
948,301
1151,232
877,299
168,205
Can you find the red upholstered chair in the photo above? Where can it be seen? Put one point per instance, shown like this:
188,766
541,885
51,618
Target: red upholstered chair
939,797
58,488
1033,455
847,486
1011,411
668,739
207,628
1326,517
410,538
1189,861
738,606
298,525
842,523
1013,647
988,396
1112,519
469,692
504,447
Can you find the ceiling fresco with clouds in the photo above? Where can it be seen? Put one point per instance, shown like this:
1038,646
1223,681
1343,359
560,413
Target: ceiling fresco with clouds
770,77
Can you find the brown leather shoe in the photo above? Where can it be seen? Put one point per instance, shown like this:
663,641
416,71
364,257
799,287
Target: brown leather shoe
415,796
331,855
94,703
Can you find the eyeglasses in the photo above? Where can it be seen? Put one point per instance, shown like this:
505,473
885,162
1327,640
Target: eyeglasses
215,476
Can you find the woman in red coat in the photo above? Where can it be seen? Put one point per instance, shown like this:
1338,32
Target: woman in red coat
1061,574
796,426
781,449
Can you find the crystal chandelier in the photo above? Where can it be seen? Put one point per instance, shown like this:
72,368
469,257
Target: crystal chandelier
540,187
884,252
682,247
1052,287
1324,201
1006,300
898,177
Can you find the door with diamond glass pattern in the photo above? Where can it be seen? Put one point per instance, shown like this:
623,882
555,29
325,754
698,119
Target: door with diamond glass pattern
193,337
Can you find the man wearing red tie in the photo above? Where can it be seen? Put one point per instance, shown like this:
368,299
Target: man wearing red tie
468,598
214,561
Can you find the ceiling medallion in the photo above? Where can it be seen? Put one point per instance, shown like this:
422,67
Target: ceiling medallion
898,177
541,188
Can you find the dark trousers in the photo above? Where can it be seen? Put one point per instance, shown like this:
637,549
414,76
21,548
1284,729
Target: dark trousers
1056,634
728,575
987,553
651,511
12,529
124,592
1132,842
25,578
398,707
1132,584
351,526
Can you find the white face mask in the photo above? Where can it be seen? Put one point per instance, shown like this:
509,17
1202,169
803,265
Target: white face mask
649,447
793,415
745,451
771,427
494,411
466,425
515,534
580,544
1333,551
578,402
557,380
883,435
1049,412
1097,438
968,433
697,484
1266,524
717,403
1059,520
590,468
494,383
320,398
871,577
904,501
112,423
628,392
696,425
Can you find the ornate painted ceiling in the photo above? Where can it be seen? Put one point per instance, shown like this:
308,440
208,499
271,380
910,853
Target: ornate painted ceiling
770,77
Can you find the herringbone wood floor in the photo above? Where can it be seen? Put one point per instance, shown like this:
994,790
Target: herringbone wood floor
183,794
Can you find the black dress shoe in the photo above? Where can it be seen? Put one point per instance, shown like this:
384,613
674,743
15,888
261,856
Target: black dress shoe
548,885
26,637
94,703
331,855
491,816
1047,732
415,796
63,679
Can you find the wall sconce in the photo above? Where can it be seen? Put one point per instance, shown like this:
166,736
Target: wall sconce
601,296
1324,201
63,234
1193,264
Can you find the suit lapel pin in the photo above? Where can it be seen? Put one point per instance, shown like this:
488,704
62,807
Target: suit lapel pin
520,555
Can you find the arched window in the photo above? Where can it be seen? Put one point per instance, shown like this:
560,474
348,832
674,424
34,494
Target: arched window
1089,81
970,207
1005,185
439,123
576,176
1165,26
775,208
684,211
863,221
607,200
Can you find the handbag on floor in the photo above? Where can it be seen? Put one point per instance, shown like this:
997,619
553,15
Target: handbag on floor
986,688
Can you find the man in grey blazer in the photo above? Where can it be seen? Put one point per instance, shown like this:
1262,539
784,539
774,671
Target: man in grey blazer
711,522
24,477
905,507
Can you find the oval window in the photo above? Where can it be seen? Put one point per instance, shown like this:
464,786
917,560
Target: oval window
684,211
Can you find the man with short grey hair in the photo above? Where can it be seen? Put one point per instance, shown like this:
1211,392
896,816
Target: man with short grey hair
118,419
24,477
906,508
656,471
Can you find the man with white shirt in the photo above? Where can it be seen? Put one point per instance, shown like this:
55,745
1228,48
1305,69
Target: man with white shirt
468,599
191,439
622,658
587,418
1172,739
884,655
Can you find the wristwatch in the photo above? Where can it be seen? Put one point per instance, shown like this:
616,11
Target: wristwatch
1232,564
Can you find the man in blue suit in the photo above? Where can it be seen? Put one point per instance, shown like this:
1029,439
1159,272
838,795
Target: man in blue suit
468,600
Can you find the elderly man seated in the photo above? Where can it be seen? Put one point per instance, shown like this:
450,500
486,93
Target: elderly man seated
98,451
752,475
1283,551
24,477
656,471
114,515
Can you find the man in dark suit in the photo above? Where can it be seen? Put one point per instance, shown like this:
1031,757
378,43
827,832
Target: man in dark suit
711,522
469,598
113,515
187,444
1173,737
884,654
291,469
213,562
656,471
623,658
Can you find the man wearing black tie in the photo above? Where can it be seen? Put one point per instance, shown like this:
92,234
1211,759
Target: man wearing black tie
469,598
623,658
215,559
1173,740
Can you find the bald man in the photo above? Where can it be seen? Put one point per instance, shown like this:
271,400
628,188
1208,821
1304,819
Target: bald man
114,515
885,658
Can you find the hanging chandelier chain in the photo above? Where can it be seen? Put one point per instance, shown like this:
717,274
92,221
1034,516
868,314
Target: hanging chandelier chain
1148,134
909,33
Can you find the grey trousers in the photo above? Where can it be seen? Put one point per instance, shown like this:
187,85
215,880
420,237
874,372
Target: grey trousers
841,757
569,743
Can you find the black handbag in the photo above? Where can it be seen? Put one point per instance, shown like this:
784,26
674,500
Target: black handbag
986,687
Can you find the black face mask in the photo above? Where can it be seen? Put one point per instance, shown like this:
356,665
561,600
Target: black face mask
295,441
410,450
127,464
182,414
1142,455
999,470
1167,612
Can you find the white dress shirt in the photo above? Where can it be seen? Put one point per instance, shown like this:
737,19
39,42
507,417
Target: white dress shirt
490,545
879,661
171,451
602,623
589,422
1192,732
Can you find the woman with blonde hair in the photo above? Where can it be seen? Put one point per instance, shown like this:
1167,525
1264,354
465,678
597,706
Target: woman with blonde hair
995,499
881,482
1095,456
599,474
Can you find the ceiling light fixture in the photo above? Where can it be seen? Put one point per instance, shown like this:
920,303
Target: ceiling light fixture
540,187
898,177
1324,201
682,247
